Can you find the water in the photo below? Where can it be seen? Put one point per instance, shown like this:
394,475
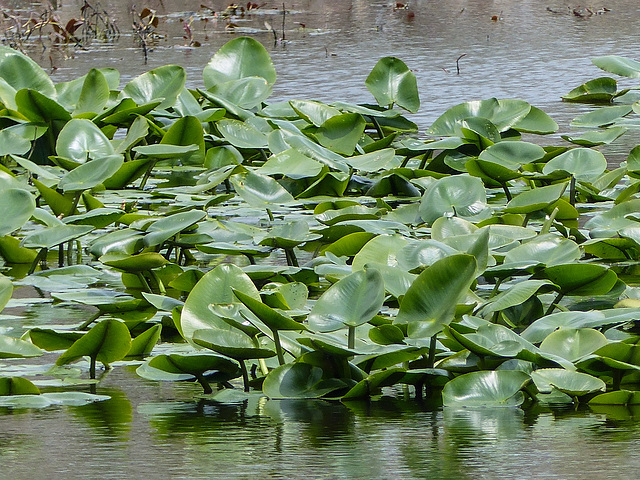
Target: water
155,431
159,431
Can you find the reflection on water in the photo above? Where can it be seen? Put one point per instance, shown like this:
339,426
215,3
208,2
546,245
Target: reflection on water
159,431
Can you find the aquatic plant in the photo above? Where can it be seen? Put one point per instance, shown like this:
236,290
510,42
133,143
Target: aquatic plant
322,250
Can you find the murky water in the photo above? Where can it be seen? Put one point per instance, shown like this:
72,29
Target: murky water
158,431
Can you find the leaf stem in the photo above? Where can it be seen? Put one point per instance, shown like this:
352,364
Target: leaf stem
554,304
40,257
572,191
92,368
203,382
432,351
507,192
245,375
276,340
351,342
144,282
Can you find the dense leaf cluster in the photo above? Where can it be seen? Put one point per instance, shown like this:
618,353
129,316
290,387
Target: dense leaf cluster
474,265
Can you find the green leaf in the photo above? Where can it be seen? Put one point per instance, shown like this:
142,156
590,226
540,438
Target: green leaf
162,84
350,302
341,133
458,195
579,279
230,343
548,249
186,131
298,380
620,397
215,287
19,71
619,65
39,108
259,190
53,236
573,343
166,227
94,94
584,164
516,295
373,383
44,400
241,134
51,340
11,347
571,383
247,92
239,58
386,335
107,342
16,208
536,199
80,140
536,121
91,173
175,367
165,151
291,163
391,82
504,114
270,317
594,139
500,388
141,262
430,302
512,154
17,386
6,290
373,161
313,112
598,90
143,344
602,116
16,140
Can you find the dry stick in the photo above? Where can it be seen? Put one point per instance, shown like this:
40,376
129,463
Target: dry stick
458,63
284,14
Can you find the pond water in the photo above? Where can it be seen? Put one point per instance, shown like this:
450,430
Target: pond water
534,50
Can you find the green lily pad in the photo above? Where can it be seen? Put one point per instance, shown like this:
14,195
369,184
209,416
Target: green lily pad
298,380
500,388
571,383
